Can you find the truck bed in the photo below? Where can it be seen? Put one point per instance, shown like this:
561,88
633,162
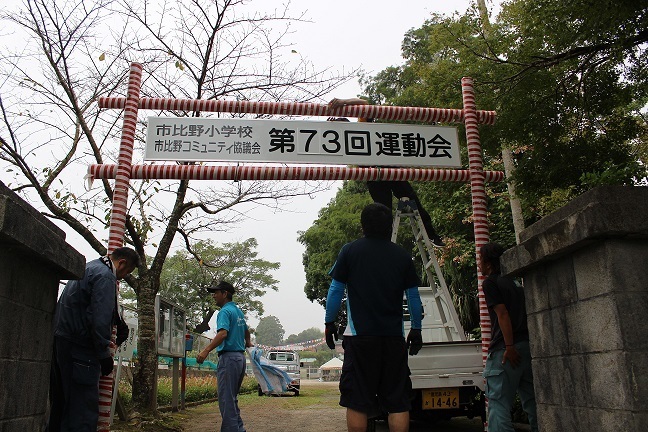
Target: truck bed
447,364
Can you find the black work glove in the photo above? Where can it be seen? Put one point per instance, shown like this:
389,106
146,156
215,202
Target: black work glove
106,365
414,341
122,331
331,332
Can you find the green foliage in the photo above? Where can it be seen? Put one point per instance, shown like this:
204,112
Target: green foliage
590,118
269,332
569,87
305,335
338,223
556,199
612,175
185,278
197,388
321,356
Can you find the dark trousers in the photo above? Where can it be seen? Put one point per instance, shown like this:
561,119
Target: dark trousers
381,192
74,388
230,373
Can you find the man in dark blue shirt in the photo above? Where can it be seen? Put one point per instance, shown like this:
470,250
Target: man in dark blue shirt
85,314
508,366
375,273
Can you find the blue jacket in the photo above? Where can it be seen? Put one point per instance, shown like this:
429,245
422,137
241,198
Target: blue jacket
85,310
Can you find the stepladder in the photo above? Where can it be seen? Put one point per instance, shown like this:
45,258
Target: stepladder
446,318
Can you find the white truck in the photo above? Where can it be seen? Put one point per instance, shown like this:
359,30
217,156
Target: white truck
288,361
447,373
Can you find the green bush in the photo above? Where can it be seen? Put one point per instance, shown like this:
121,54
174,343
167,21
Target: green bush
196,389
517,413
164,391
126,392
249,385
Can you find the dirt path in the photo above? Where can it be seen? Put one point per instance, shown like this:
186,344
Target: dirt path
315,409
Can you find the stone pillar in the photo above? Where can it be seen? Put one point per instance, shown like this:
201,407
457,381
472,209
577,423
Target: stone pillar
585,270
33,258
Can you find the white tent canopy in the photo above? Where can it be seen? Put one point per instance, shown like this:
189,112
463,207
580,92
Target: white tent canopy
334,363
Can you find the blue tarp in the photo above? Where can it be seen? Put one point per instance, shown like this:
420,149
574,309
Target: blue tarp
191,363
207,364
271,379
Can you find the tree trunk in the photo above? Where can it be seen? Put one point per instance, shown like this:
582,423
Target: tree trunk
204,325
507,154
145,374
516,207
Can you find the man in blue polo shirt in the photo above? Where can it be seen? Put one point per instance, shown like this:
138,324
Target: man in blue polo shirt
376,274
232,337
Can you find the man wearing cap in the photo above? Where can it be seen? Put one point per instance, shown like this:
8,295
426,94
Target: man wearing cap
232,337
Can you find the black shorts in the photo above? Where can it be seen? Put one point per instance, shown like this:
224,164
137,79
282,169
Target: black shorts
375,376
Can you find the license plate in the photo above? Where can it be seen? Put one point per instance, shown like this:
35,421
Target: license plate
440,398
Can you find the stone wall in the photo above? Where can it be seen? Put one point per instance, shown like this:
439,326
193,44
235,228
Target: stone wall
33,258
585,270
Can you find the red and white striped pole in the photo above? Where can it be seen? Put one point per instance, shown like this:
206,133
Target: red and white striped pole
118,216
125,160
420,114
261,172
478,193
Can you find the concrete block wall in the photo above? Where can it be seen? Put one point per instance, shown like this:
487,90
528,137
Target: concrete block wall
33,258
585,271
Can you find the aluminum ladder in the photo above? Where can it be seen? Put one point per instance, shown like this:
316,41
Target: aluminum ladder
448,315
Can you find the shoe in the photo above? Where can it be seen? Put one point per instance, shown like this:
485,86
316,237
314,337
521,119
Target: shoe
437,241
435,238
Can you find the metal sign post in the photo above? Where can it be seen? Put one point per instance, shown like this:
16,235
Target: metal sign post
124,352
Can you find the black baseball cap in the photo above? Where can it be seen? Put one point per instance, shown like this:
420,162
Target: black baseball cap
222,286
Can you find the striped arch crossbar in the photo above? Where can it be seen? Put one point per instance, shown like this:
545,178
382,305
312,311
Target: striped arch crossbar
420,114
260,172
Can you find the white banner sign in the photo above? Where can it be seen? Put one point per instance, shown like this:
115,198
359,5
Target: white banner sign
126,349
290,141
